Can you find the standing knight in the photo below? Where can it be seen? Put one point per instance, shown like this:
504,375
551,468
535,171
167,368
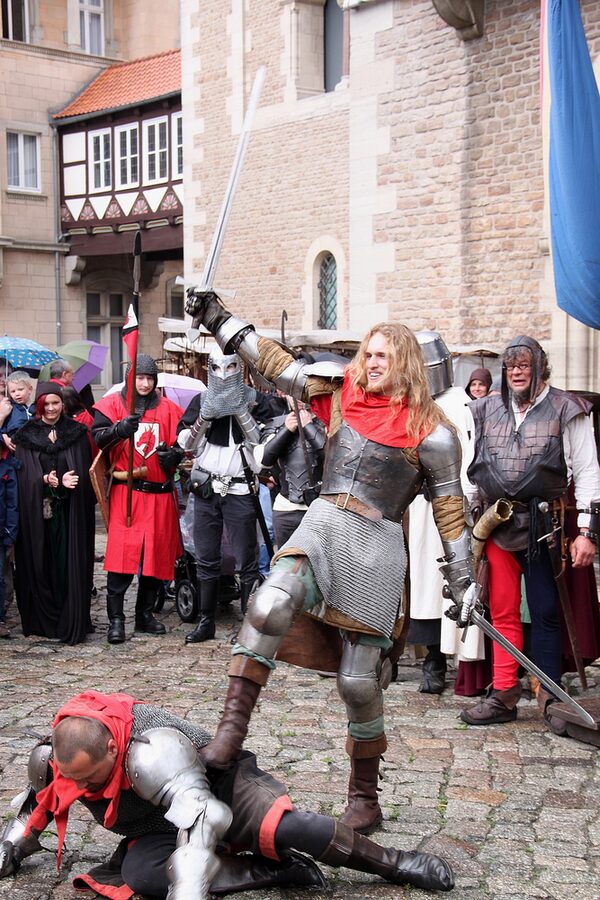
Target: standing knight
346,562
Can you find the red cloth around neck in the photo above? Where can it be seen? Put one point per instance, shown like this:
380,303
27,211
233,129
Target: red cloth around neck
372,416
115,712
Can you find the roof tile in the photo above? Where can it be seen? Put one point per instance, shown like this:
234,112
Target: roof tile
127,83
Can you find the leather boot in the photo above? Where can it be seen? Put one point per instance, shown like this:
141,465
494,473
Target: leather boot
246,678
116,619
246,588
251,872
434,671
144,607
363,813
545,700
208,592
423,870
494,708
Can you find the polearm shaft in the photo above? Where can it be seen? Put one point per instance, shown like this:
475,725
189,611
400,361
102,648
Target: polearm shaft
531,667
137,272
212,260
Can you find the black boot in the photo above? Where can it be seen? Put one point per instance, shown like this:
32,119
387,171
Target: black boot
423,870
208,592
251,872
144,607
116,619
246,589
434,671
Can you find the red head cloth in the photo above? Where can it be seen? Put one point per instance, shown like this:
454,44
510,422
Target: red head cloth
115,712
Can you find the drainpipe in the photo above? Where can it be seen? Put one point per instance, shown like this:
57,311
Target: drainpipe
57,231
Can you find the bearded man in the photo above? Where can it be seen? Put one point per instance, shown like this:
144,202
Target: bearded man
530,442
151,541
346,562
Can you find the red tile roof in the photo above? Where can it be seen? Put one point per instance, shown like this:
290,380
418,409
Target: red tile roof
127,83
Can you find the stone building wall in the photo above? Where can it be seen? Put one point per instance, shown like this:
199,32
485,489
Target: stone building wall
423,170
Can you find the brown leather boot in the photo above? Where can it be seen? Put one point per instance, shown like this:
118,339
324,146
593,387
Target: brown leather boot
354,851
545,700
246,678
363,813
494,708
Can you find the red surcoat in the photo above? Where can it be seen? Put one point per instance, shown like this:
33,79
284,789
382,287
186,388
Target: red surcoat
154,525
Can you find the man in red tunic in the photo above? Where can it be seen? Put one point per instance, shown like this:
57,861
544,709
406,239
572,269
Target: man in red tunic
151,543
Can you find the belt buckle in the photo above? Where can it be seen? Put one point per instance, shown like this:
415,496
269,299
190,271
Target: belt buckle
343,505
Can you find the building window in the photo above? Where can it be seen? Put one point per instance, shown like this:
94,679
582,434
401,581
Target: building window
23,159
15,23
177,145
105,317
100,160
327,287
155,150
333,44
127,150
91,26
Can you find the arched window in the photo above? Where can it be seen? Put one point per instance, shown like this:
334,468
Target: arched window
327,287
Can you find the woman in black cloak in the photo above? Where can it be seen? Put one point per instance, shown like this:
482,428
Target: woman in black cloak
54,552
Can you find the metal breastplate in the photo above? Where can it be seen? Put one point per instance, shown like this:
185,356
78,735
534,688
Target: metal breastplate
525,463
379,475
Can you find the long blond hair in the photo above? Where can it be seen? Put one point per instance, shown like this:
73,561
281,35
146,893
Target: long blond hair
406,375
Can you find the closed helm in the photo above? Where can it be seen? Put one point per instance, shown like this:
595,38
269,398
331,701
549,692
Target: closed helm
438,361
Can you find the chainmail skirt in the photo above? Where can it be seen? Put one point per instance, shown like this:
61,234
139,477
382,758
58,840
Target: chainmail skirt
359,565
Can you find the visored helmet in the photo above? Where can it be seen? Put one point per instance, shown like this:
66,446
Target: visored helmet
438,361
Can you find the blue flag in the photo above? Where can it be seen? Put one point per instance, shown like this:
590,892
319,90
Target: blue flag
572,105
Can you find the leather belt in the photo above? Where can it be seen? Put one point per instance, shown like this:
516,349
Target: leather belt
353,504
150,487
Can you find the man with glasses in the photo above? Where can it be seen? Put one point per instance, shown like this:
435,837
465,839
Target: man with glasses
531,441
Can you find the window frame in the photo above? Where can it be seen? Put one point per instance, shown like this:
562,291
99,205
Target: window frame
9,17
176,146
100,132
87,10
20,135
147,125
107,323
119,130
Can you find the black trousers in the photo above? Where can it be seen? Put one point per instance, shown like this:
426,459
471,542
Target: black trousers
285,524
118,582
238,512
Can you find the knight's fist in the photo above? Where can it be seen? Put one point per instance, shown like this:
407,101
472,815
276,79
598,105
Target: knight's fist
206,309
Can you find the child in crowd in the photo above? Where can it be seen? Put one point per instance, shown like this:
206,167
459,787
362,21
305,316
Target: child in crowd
20,391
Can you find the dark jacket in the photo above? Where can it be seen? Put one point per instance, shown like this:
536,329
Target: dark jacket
9,503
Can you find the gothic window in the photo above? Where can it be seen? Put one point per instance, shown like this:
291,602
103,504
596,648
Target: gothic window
327,288
333,44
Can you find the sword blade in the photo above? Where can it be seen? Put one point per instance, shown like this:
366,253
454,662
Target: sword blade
531,667
210,266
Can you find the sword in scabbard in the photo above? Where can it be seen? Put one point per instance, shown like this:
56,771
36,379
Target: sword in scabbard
554,538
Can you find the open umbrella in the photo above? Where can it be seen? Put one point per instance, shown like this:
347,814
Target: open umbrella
22,353
86,358
178,388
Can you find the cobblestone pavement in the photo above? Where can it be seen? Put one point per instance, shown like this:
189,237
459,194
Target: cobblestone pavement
513,807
